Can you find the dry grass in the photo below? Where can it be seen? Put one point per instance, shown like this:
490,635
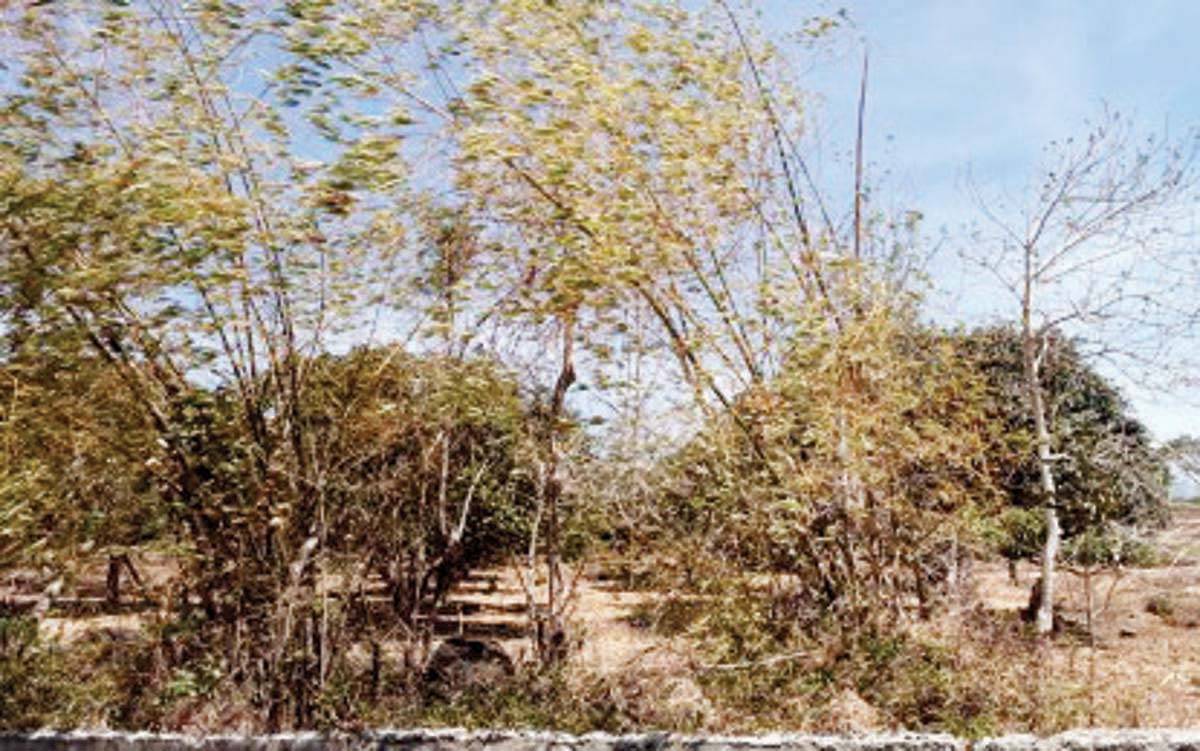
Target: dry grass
1139,668
1142,669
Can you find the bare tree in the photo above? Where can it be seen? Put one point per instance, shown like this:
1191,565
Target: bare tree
1092,255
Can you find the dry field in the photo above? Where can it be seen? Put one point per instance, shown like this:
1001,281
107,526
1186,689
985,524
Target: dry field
1140,669
1144,665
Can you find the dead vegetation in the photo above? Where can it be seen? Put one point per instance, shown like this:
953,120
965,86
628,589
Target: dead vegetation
976,670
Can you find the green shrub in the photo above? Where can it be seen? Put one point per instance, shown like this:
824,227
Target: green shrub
549,699
1109,546
44,685
1018,532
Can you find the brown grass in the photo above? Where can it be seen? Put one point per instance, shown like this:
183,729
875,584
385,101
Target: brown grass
1140,666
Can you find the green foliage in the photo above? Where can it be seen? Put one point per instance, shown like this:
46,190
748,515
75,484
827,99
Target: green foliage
42,685
200,204
209,233
29,679
74,478
410,471
1108,471
1110,546
977,679
546,699
1018,532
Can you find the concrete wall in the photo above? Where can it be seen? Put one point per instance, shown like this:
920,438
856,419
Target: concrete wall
455,740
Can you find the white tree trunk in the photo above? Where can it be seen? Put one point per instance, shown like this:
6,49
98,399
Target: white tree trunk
1045,613
1037,406
1033,349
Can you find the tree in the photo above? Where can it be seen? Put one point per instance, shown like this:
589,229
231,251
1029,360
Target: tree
620,163
73,478
427,470
156,209
876,460
1109,470
1094,254
493,175
1183,455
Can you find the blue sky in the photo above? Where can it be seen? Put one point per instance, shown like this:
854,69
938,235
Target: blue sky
987,84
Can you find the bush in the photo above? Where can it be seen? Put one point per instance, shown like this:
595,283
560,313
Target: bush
845,486
425,468
1017,532
388,465
42,685
73,479
980,677
1109,545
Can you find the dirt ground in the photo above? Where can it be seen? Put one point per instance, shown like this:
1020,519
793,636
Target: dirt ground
1140,668
1142,664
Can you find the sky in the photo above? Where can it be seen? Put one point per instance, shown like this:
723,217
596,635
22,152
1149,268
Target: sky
984,85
